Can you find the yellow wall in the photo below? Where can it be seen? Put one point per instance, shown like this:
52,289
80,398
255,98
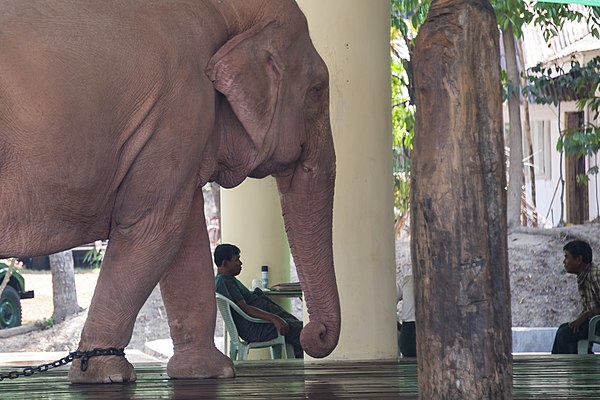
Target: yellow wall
353,36
251,219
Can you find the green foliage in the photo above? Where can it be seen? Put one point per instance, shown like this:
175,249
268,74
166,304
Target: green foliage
582,179
509,88
403,124
409,15
579,142
403,112
46,323
551,16
513,14
406,19
551,85
95,255
542,83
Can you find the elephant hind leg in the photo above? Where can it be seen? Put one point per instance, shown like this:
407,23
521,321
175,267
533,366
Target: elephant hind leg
188,291
136,258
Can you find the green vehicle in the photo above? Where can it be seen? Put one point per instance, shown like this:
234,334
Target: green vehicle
10,301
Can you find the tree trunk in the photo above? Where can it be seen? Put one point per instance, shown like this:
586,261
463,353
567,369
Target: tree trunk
216,193
458,206
515,172
561,178
63,285
531,158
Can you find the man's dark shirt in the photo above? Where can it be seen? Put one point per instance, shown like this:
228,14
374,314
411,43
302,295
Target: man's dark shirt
233,289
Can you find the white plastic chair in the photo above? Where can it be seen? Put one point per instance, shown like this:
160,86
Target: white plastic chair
584,346
238,348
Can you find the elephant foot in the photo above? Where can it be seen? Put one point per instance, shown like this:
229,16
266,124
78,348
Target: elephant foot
205,363
103,369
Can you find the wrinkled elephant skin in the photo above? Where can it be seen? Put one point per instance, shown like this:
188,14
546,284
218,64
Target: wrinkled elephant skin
113,115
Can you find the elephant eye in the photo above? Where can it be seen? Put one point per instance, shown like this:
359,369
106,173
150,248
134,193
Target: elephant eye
315,95
316,91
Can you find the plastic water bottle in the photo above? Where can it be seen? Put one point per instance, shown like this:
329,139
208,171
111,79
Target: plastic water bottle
265,276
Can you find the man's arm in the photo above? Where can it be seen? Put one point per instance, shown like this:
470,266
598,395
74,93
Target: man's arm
228,287
591,314
583,317
281,326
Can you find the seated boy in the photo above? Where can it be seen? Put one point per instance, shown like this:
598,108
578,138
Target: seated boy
255,304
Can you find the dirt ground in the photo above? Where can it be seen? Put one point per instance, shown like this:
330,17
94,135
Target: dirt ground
542,293
151,323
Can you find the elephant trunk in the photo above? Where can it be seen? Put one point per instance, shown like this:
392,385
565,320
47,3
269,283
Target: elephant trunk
307,205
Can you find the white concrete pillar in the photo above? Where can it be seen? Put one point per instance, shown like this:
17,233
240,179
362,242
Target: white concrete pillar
353,37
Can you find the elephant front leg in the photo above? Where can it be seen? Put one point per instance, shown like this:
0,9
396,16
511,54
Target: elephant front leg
188,291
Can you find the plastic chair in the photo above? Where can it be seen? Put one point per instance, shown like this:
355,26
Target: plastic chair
238,348
584,346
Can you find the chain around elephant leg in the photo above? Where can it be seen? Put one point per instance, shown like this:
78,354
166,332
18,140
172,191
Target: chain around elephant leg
106,369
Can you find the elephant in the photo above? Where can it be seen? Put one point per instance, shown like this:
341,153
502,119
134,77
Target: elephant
114,114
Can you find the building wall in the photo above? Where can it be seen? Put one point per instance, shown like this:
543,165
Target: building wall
547,186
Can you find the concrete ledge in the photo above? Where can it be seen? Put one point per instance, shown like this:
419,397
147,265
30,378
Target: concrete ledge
536,340
533,340
525,340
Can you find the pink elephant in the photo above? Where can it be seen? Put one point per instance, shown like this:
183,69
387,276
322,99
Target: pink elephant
113,115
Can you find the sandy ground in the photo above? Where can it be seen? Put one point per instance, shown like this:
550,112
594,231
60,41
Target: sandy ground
41,282
542,293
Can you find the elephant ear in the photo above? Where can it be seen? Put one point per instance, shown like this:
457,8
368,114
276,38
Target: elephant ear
246,72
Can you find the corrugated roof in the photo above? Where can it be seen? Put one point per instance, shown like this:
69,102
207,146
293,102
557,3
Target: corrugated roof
573,38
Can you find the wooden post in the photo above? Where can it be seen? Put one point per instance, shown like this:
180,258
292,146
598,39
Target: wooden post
458,207
577,194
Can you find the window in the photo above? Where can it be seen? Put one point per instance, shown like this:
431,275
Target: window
540,136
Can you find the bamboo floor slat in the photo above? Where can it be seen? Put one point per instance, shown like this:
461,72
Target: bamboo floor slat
535,377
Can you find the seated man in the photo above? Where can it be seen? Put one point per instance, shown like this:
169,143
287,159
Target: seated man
255,304
578,261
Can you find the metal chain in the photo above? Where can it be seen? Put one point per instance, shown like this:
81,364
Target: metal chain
84,355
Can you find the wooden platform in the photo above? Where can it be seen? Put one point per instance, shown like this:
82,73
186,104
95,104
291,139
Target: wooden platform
535,377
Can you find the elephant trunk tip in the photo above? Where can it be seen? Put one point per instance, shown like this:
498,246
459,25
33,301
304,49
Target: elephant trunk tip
318,341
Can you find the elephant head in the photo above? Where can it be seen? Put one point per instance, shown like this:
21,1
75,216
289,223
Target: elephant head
275,103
